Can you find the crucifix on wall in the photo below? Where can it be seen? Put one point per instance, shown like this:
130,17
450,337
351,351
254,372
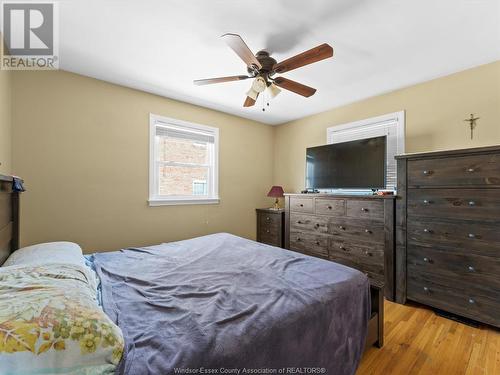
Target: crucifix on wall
472,123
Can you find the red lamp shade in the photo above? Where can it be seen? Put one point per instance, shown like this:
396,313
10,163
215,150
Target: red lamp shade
276,192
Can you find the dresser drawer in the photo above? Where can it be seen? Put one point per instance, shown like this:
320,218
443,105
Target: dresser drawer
270,218
334,207
269,229
374,273
270,239
356,230
301,205
365,209
468,170
309,243
466,270
466,204
446,294
466,237
369,259
308,223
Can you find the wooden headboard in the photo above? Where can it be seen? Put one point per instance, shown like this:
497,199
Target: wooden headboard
9,218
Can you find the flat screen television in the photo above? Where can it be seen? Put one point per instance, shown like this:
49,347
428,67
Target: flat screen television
357,164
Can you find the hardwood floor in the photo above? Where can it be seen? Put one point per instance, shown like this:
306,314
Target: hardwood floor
417,341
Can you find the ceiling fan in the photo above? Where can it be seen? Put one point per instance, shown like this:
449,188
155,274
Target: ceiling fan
262,68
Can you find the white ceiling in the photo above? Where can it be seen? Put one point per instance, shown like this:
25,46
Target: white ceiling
162,46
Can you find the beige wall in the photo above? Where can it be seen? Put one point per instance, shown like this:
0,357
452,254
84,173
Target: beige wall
5,123
435,111
82,147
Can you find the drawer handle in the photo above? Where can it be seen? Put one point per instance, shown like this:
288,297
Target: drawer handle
426,201
341,227
268,218
329,207
342,248
427,230
299,222
368,253
427,172
472,301
268,231
471,235
471,269
316,225
471,170
472,203
368,231
427,290
364,209
299,239
318,243
427,260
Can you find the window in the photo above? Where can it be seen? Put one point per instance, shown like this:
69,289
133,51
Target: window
183,162
391,125
199,188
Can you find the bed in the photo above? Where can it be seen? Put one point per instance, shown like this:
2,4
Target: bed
223,302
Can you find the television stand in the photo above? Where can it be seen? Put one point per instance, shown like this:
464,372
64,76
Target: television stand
354,230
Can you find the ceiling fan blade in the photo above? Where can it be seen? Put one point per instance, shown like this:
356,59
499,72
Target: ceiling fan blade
249,102
295,87
209,81
313,55
236,43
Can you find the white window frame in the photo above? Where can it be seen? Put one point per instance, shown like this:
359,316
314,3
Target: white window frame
162,200
391,125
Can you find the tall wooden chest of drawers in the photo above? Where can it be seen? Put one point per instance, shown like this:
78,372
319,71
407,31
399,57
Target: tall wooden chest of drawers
448,232
357,231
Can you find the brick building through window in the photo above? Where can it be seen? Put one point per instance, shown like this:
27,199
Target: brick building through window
184,161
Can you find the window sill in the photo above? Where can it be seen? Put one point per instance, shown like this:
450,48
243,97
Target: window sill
181,201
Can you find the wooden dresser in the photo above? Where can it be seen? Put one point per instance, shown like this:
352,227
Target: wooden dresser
270,226
448,232
354,230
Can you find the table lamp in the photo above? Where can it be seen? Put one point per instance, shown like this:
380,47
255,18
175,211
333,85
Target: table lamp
276,192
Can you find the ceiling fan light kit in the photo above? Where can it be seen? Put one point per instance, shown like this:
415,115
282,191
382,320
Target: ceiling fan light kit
262,67
252,94
259,84
273,90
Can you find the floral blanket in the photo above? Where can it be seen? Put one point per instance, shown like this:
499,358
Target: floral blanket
50,323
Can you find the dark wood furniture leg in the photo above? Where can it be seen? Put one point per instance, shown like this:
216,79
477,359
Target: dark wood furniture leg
379,296
375,334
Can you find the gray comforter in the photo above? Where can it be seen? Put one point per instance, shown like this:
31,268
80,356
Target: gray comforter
223,302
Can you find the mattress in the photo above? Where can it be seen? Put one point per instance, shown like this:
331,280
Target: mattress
221,302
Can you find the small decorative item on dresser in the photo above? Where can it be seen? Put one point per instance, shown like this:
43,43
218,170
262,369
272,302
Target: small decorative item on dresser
270,226
276,192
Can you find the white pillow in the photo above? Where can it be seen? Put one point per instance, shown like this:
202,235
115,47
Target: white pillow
45,253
